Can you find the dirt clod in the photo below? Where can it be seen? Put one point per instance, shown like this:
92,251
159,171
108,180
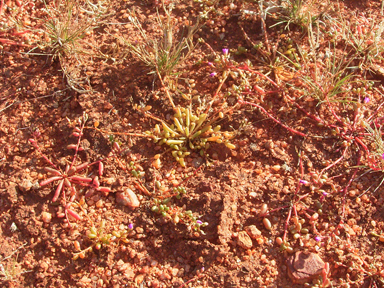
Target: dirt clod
46,217
25,185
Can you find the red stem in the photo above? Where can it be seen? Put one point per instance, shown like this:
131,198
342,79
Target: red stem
34,143
274,119
334,163
1,7
246,68
78,142
286,224
345,190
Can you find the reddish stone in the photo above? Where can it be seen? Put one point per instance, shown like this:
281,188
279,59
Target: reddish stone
304,266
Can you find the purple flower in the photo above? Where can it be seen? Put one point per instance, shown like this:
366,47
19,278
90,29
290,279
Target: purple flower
130,226
303,182
225,51
325,193
382,156
213,74
318,238
366,100
199,222
210,64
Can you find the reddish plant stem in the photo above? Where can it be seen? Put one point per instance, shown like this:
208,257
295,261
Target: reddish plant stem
274,119
166,89
78,142
287,223
246,68
317,119
296,199
345,190
377,111
217,92
139,185
266,35
190,280
21,33
34,143
260,92
334,163
361,143
119,133
273,210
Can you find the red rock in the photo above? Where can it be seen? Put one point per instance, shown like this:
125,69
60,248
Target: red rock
253,232
244,240
127,198
304,266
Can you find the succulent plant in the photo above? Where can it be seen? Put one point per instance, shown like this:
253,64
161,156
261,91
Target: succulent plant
189,132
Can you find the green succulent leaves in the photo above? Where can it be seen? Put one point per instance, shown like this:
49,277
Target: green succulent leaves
189,131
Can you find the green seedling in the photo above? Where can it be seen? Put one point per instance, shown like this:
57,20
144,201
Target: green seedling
10,270
166,208
100,238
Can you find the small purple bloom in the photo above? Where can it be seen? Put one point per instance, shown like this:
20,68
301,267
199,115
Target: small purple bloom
199,222
303,182
213,74
225,51
318,238
130,226
325,193
366,100
210,64
382,156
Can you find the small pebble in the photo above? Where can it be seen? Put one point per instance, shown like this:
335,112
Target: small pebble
127,198
244,240
253,194
99,203
46,217
25,185
267,224
252,231
264,209
276,168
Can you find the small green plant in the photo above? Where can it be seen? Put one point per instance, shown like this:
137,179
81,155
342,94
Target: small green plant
375,159
162,55
363,38
68,23
329,82
296,12
166,208
281,60
100,238
10,270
